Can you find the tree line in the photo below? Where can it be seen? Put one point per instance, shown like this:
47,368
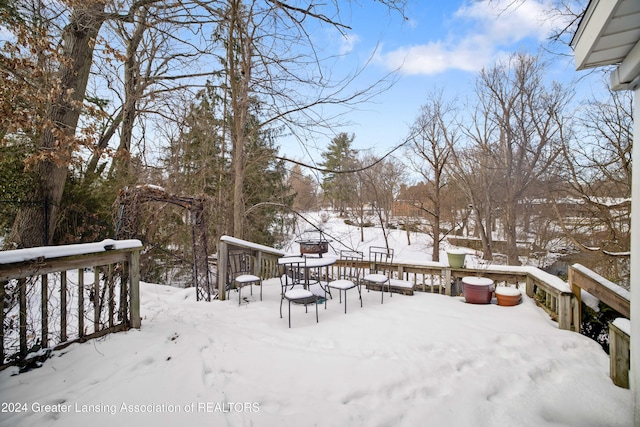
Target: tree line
98,96
527,164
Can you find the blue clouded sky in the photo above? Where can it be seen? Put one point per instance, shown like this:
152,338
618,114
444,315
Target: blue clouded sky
442,45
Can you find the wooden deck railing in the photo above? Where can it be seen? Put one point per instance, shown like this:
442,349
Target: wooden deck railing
619,299
552,293
54,296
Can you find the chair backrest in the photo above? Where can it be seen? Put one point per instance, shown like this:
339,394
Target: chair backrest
291,270
240,262
380,259
350,266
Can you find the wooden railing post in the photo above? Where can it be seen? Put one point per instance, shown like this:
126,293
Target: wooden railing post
619,344
96,299
577,292
530,284
223,253
134,288
81,302
22,283
565,315
63,306
44,311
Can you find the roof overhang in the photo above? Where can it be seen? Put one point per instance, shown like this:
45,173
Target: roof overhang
609,34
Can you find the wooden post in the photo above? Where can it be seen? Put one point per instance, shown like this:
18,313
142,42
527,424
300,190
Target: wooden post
529,287
96,299
63,306
258,268
447,282
134,288
123,305
564,311
111,294
619,343
22,283
223,253
577,292
44,310
81,302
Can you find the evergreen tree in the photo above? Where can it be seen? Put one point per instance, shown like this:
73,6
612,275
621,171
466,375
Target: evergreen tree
338,184
199,162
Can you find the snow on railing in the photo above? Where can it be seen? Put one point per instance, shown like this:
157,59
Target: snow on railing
57,295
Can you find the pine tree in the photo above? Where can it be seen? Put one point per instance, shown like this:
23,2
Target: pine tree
338,184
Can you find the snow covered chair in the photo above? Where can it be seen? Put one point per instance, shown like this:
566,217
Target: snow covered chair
295,284
380,260
349,275
241,273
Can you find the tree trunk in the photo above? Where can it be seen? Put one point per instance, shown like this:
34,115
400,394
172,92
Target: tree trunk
33,225
435,256
511,234
485,231
239,77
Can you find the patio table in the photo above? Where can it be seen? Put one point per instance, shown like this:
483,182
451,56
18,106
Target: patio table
311,264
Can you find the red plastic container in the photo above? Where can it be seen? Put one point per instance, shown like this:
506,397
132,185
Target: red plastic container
477,290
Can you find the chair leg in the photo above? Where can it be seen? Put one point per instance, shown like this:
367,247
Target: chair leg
260,284
325,296
316,304
345,301
289,314
239,293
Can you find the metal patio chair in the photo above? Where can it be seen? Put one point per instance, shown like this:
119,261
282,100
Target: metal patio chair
349,275
381,260
294,284
241,273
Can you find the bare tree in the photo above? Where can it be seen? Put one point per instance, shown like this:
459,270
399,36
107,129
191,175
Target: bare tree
526,124
82,22
274,67
57,142
304,189
598,178
433,136
472,169
382,181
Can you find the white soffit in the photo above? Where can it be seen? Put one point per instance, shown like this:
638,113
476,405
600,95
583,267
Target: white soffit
607,33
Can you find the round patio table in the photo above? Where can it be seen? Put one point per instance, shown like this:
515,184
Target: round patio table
311,263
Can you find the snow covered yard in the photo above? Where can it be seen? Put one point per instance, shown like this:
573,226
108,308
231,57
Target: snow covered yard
426,360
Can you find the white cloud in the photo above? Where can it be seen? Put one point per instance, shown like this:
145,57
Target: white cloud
348,43
481,31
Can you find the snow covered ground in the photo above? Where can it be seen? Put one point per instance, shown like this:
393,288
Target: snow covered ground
427,360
